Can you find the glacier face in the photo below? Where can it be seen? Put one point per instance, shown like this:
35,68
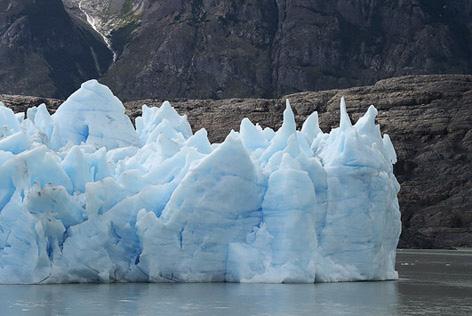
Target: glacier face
86,197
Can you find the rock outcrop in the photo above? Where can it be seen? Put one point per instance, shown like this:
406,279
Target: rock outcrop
429,119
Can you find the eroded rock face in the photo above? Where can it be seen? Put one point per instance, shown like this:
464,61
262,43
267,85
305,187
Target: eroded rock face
335,44
429,119
199,49
225,49
19,103
264,48
112,19
46,52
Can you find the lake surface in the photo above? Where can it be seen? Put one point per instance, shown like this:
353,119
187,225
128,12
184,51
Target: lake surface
431,282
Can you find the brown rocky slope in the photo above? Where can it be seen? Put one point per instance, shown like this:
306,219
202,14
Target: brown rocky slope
429,119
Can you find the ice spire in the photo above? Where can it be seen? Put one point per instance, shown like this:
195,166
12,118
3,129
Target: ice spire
366,124
345,121
280,140
311,127
289,124
251,135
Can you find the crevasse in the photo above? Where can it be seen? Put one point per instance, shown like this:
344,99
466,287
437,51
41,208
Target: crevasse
86,197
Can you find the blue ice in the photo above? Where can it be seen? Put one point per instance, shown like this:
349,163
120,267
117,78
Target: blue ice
87,197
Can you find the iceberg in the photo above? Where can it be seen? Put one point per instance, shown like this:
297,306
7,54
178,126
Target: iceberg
87,197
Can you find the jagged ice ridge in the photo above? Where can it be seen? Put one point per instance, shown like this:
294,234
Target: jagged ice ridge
86,197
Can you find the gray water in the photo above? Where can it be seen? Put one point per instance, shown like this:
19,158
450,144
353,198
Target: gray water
431,282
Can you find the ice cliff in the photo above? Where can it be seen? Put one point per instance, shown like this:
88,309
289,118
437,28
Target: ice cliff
87,197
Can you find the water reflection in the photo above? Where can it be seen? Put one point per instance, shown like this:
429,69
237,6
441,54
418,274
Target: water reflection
200,299
430,283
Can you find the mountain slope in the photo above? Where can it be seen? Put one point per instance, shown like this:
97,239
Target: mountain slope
112,19
44,51
220,49
266,48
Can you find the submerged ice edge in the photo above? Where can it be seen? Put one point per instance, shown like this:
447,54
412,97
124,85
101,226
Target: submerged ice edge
86,197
